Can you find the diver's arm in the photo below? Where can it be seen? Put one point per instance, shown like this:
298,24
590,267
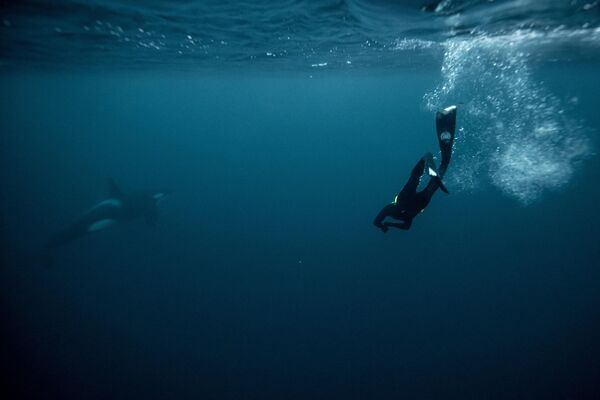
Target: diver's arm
378,221
404,225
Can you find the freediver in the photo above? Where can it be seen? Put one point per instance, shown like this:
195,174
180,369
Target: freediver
409,203
116,209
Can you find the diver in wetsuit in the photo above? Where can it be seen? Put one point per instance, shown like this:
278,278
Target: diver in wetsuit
409,203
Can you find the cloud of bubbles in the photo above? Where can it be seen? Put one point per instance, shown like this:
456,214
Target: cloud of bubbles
513,132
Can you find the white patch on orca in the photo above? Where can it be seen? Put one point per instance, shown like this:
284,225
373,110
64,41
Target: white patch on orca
158,197
110,202
116,203
101,224
432,172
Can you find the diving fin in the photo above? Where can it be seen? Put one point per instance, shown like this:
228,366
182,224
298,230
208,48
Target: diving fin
445,125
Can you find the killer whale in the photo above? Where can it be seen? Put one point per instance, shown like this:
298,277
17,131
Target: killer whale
118,208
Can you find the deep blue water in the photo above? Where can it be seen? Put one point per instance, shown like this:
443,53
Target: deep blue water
265,277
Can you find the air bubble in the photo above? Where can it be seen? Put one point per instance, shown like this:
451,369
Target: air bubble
513,128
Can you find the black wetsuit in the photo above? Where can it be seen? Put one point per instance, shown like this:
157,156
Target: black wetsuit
409,203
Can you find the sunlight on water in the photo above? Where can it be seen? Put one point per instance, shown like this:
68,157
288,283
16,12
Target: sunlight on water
515,133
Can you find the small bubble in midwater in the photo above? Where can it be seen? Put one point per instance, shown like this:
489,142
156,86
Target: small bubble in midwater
140,30
348,62
6,22
86,28
57,30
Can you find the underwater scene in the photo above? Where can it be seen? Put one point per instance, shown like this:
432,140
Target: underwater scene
300,199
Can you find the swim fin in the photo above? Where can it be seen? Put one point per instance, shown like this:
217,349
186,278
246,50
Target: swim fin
445,124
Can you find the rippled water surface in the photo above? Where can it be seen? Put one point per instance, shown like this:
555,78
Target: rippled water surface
290,35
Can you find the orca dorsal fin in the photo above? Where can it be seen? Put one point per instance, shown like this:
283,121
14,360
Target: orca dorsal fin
113,189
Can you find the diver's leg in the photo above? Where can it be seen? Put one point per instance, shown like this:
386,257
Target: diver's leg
435,181
434,184
429,190
446,153
415,177
423,198
432,169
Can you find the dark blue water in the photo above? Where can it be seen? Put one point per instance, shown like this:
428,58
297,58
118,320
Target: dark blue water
264,277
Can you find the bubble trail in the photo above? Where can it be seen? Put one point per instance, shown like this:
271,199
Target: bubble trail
514,133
